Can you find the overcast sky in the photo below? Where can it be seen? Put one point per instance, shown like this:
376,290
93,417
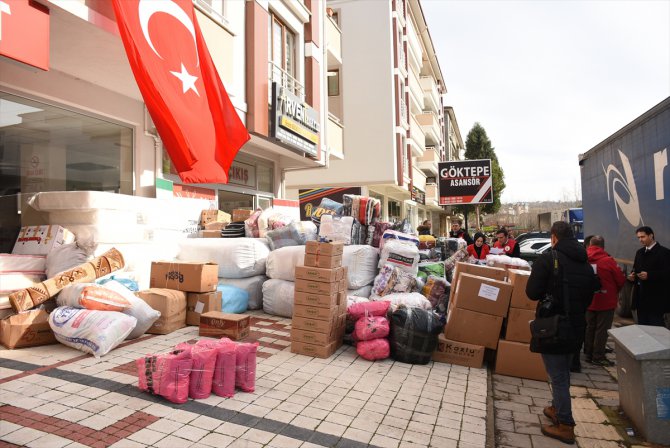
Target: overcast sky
549,80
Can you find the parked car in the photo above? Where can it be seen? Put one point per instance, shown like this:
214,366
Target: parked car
531,235
532,248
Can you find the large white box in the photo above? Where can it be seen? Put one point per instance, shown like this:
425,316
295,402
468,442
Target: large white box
40,240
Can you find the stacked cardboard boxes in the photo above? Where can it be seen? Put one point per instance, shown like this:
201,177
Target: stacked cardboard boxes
479,302
320,301
212,222
170,285
514,357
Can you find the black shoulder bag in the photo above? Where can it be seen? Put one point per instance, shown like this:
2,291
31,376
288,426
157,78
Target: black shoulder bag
551,331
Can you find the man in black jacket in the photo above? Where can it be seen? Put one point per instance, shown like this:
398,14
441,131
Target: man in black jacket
575,271
651,271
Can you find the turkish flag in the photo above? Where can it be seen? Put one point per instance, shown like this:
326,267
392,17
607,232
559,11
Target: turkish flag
181,87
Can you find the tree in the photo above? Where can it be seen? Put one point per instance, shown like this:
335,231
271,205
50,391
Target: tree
478,146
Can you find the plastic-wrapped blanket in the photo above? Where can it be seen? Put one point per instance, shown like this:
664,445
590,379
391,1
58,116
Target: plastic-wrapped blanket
94,332
364,209
413,335
252,285
359,310
392,280
278,297
450,246
294,234
245,366
327,207
512,262
167,375
401,255
92,297
407,299
371,327
435,268
236,257
336,228
390,235
251,224
450,263
379,229
374,349
436,292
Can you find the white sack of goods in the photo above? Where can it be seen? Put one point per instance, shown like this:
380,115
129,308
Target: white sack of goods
236,257
362,263
281,263
139,309
138,258
407,299
278,297
402,255
252,285
365,291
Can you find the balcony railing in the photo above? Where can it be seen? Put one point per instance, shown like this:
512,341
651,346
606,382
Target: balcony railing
431,127
335,136
403,112
334,43
284,79
431,94
417,136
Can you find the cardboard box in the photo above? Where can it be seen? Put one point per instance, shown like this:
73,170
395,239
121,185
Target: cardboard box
327,249
459,353
29,329
216,324
310,337
216,225
172,306
319,274
473,327
184,276
316,325
516,359
482,294
40,240
518,326
302,285
207,216
199,303
210,234
313,312
475,269
241,215
317,351
323,261
321,300
518,279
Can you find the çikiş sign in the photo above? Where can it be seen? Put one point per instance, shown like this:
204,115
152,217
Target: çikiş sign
466,182
242,174
294,122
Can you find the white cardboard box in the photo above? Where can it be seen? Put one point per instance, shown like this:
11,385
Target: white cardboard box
40,240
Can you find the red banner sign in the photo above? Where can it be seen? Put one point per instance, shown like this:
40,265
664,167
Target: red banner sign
24,32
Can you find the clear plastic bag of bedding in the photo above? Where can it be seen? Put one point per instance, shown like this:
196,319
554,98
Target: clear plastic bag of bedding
413,335
336,228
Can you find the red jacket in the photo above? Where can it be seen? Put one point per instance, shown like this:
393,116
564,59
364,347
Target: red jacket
485,251
611,279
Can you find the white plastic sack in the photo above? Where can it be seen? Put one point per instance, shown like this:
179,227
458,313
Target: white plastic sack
252,285
362,263
401,255
281,263
278,297
336,228
352,299
360,292
139,309
236,257
67,257
491,260
409,299
95,332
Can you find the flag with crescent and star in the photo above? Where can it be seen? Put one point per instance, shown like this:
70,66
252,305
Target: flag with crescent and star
185,97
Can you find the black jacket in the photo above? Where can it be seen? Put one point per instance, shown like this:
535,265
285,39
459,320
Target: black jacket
461,234
581,280
652,295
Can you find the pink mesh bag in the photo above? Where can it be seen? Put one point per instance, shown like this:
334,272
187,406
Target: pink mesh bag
371,327
223,381
166,374
374,349
202,371
245,368
358,310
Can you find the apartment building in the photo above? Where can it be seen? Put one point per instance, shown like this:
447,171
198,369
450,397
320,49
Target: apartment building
388,93
74,119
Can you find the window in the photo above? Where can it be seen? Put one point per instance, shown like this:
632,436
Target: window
215,8
48,148
282,48
333,82
394,210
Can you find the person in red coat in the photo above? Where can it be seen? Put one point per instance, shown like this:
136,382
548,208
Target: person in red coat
508,245
479,249
600,313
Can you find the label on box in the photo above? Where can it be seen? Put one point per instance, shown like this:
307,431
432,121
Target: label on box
489,292
199,307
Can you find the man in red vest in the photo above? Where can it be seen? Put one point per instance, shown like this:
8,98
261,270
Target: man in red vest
507,244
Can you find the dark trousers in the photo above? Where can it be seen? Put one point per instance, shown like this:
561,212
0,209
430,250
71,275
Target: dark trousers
558,369
597,324
650,318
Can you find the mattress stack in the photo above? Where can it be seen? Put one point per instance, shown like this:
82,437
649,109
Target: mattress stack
18,272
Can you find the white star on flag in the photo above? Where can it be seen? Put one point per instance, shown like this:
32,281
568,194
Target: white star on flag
187,80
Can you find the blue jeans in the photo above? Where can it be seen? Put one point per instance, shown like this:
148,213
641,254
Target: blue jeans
558,368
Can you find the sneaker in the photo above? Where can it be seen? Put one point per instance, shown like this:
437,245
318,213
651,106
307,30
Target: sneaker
602,362
609,349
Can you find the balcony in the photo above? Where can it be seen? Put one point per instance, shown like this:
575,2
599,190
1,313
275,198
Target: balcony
432,195
431,95
431,127
415,92
284,79
403,113
418,139
429,160
414,47
333,43
418,179
335,137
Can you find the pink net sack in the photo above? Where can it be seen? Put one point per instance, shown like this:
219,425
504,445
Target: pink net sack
166,374
374,349
371,327
245,368
358,310
223,381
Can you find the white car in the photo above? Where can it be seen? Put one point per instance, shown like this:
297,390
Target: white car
532,248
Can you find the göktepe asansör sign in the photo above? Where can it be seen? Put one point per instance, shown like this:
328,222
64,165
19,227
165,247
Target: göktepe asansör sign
465,182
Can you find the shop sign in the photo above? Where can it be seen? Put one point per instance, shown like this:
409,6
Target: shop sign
24,32
465,182
293,121
242,174
418,196
310,199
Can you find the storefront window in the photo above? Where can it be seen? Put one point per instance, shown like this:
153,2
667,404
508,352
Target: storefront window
394,210
47,148
265,178
230,200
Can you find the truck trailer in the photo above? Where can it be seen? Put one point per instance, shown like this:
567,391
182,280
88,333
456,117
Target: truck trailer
626,185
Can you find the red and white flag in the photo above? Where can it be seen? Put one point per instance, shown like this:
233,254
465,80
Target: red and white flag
181,87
